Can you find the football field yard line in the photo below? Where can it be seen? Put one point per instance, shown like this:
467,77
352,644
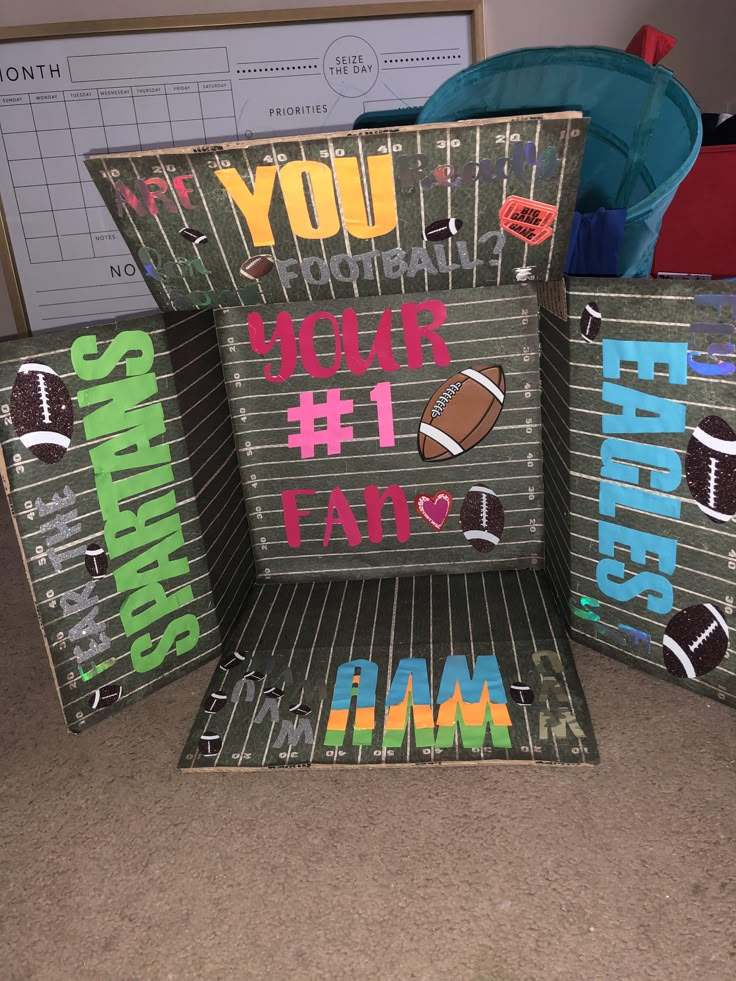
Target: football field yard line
260,694
516,662
315,731
560,185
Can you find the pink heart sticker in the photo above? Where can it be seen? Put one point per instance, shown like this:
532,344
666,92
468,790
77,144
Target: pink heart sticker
435,510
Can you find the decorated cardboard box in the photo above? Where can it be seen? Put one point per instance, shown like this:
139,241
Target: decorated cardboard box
119,465
639,416
391,437
366,213
344,506
391,458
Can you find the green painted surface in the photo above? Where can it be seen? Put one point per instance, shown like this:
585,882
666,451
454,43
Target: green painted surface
638,508
303,632
124,485
479,327
467,172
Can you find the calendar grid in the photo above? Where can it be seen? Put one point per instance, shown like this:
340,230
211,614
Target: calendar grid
45,136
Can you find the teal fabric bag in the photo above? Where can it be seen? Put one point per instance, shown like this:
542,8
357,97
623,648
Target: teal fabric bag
644,135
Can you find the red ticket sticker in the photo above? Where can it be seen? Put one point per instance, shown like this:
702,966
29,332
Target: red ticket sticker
533,236
530,221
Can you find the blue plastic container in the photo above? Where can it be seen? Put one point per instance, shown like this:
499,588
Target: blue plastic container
644,136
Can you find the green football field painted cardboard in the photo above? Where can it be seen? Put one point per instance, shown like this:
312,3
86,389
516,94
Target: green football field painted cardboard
457,668
639,416
390,453
119,465
389,437
336,216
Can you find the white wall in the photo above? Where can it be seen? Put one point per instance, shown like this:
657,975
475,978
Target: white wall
703,59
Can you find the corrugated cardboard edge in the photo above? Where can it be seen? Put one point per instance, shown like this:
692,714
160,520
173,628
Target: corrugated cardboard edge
309,137
586,764
552,296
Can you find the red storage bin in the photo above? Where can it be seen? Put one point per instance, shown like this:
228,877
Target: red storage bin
699,228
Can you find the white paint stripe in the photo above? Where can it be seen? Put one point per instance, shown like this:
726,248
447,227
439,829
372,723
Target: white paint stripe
531,185
175,198
582,637
315,637
225,327
693,548
454,342
39,438
503,197
557,649
452,464
471,638
352,639
254,710
155,681
163,233
653,295
422,217
273,253
411,654
389,672
321,241
327,673
398,238
294,592
485,536
512,555
445,441
475,226
681,656
630,614
245,430
716,613
293,233
34,366
370,211
133,500
226,670
362,522
238,222
348,249
516,662
727,446
429,534
373,638
485,382
550,730
560,185
227,317
452,648
718,515
448,242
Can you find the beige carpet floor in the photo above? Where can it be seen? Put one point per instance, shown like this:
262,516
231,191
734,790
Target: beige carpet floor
117,866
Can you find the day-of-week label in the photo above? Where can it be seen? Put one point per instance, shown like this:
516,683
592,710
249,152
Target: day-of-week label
148,90
212,86
80,94
114,93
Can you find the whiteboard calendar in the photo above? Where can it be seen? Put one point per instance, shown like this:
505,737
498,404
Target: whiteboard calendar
64,98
